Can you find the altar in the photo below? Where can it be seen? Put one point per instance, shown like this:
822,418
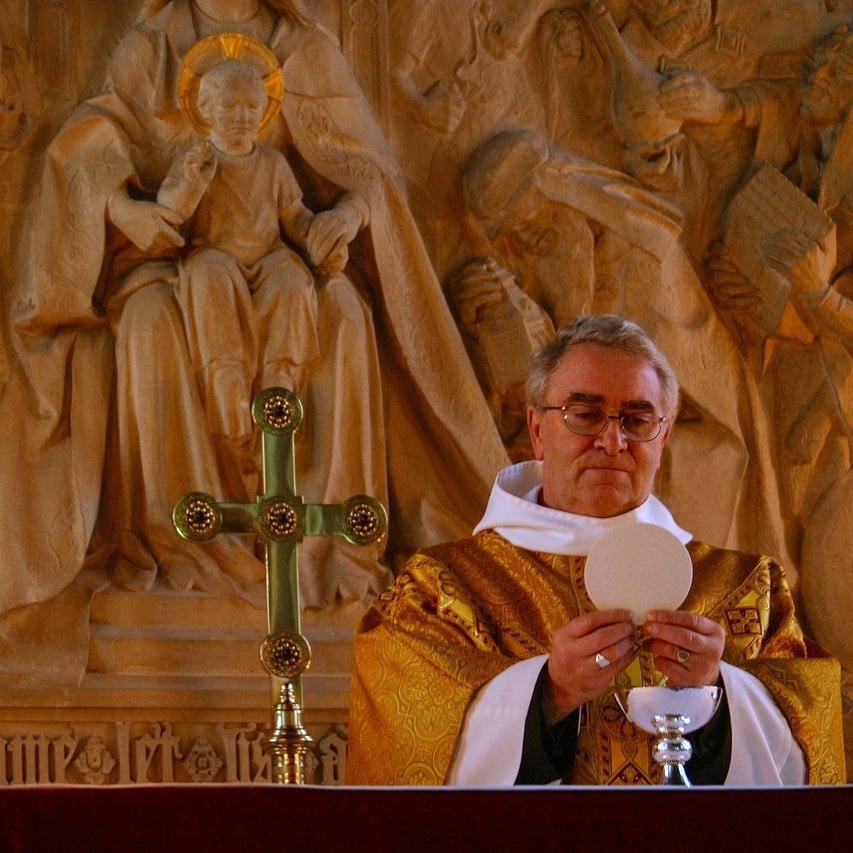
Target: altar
198,817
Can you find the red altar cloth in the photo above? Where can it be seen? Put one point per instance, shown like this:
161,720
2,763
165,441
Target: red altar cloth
244,818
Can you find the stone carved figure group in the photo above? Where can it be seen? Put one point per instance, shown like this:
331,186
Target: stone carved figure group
546,159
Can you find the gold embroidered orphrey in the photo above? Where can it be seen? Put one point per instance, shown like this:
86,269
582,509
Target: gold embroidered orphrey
282,518
207,52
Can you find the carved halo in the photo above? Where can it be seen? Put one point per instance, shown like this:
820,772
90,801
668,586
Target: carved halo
212,49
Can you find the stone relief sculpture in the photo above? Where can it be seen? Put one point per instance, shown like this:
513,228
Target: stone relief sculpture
236,198
105,394
20,112
464,66
248,302
544,159
797,322
731,83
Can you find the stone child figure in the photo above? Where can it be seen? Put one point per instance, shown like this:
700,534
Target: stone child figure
238,198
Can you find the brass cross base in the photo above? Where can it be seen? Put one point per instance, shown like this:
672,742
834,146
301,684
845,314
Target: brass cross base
287,655
289,743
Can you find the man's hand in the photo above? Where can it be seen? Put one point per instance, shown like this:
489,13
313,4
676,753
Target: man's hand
687,647
148,225
574,676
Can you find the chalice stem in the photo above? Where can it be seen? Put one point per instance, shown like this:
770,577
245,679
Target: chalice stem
673,750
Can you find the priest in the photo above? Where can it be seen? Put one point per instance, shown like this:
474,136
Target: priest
486,662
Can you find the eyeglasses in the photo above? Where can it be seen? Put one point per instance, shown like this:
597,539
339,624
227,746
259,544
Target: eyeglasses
583,419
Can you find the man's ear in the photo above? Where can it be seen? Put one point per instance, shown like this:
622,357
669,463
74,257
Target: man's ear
667,430
534,427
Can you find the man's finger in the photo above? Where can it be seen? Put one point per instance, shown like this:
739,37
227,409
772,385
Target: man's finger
588,622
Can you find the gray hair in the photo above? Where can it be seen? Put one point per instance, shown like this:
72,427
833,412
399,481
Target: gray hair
608,330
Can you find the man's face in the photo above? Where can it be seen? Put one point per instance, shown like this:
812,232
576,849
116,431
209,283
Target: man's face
602,475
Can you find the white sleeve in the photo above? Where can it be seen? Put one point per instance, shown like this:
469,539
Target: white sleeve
490,743
764,752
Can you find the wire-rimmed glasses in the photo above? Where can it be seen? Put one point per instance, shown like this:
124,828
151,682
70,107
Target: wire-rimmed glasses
584,419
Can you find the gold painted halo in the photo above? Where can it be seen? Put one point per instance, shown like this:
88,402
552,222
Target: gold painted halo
210,50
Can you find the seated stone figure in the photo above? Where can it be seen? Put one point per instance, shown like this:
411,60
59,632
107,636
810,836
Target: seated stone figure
103,400
247,313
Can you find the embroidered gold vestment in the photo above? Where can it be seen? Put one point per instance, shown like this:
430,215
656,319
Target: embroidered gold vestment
462,612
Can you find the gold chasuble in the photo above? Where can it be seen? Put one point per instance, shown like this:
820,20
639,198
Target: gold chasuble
462,612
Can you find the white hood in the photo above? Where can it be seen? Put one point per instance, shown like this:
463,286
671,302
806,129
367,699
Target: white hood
515,513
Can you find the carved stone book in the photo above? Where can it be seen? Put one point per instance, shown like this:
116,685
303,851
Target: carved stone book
768,204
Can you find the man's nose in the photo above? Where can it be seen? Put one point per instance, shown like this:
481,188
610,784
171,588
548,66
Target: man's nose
611,439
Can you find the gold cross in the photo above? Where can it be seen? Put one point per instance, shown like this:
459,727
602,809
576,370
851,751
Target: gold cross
281,518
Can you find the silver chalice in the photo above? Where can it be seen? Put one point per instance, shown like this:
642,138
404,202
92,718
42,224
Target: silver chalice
670,713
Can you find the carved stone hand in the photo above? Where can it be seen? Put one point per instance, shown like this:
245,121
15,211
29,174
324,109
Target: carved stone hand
148,225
